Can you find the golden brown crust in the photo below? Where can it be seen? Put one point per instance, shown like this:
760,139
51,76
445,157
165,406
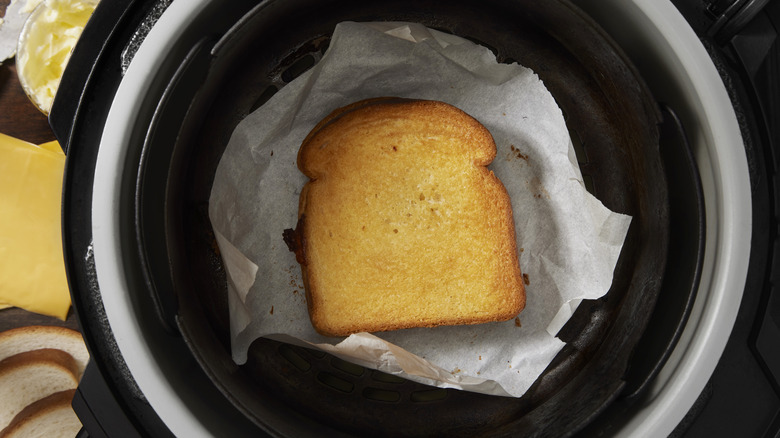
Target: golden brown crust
401,224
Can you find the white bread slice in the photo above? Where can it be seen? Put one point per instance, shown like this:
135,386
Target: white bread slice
401,223
19,340
30,376
49,417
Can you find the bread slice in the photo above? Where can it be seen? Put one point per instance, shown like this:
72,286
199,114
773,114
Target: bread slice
36,337
49,417
401,224
30,376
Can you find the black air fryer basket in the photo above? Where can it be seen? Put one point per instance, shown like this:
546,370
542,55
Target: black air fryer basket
630,149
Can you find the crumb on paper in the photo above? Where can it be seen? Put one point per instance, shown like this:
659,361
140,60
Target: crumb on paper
517,322
517,153
526,280
272,310
537,189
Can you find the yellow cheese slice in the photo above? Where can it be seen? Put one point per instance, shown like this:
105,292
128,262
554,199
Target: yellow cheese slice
32,268
53,146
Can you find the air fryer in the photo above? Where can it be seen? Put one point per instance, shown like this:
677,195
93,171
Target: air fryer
632,151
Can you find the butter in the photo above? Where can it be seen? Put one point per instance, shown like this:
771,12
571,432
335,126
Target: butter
32,268
45,45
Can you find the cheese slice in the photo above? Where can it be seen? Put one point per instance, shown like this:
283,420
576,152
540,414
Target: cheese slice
32,268
53,146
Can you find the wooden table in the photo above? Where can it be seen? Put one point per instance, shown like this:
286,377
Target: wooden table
19,118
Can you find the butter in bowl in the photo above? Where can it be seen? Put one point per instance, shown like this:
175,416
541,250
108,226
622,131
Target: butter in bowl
45,44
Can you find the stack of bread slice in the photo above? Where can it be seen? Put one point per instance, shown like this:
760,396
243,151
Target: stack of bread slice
40,367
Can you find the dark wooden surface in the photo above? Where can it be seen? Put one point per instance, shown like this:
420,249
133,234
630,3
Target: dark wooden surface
19,118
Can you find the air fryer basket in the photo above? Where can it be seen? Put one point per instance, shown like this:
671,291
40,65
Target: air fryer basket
613,121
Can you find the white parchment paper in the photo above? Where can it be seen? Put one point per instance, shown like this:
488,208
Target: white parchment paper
568,241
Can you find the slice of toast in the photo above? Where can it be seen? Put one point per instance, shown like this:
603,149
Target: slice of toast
401,224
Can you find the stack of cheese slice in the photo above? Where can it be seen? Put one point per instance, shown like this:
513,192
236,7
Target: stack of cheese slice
33,269
40,367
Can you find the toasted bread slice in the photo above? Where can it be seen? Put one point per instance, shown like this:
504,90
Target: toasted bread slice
401,224
49,417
